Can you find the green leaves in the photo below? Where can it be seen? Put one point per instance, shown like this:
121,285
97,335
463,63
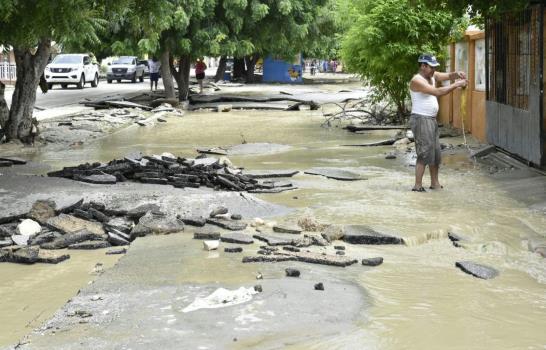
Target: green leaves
285,7
180,19
24,23
148,45
478,10
385,39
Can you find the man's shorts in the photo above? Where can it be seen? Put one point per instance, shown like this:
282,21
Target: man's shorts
427,139
154,76
200,76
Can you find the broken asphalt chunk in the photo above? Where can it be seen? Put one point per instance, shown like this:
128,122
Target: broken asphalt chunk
26,255
101,179
291,272
237,238
206,235
49,257
14,160
72,238
292,229
274,240
267,258
335,173
116,239
372,261
361,234
233,249
116,251
194,221
90,245
228,225
477,270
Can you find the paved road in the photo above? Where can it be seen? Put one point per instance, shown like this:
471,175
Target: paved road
58,97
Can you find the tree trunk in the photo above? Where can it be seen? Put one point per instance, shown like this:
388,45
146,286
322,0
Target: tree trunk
175,72
239,71
220,71
183,77
4,111
185,69
29,69
166,75
250,67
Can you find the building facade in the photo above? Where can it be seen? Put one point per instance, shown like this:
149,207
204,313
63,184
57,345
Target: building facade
515,83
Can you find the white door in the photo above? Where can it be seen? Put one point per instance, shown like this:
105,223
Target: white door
87,68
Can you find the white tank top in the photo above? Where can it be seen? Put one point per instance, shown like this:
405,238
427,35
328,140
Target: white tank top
424,104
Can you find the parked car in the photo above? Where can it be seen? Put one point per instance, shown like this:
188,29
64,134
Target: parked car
146,67
125,68
72,69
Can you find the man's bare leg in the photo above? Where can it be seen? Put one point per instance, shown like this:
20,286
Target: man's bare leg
434,183
419,172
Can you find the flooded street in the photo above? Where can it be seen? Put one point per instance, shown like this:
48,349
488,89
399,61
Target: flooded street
416,299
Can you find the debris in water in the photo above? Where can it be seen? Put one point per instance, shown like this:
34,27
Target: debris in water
222,298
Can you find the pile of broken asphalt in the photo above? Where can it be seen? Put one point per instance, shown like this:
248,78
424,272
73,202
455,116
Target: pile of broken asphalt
36,236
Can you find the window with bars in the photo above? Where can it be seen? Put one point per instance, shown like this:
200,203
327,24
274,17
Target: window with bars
513,54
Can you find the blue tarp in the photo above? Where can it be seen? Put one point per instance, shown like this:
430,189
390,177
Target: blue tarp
279,71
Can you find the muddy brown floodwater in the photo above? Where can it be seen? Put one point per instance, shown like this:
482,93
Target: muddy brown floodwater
419,300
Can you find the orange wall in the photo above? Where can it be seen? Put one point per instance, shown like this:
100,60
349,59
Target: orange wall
478,115
444,114
474,101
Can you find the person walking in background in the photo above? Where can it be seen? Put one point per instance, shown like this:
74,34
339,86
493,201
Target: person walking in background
423,123
154,65
200,68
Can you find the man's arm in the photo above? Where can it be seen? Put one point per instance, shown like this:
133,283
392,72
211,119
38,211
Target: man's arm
441,76
419,85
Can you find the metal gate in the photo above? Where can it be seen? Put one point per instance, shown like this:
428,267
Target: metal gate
514,60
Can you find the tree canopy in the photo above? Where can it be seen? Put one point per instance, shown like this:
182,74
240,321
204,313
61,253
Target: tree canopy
478,10
385,39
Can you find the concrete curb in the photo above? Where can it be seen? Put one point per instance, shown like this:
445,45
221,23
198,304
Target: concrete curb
61,112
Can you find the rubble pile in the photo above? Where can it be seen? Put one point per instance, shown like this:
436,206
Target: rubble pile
80,225
167,169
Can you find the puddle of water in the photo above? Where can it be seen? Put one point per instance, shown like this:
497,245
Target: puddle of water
420,300
30,294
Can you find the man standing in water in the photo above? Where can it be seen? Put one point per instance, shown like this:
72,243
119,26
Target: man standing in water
154,65
423,123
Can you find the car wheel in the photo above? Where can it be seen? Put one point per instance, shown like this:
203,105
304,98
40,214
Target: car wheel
95,81
141,79
81,83
133,79
109,81
64,86
49,86
119,80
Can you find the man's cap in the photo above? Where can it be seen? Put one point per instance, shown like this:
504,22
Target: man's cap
428,59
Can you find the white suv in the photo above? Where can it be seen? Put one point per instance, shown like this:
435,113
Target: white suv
127,68
72,69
